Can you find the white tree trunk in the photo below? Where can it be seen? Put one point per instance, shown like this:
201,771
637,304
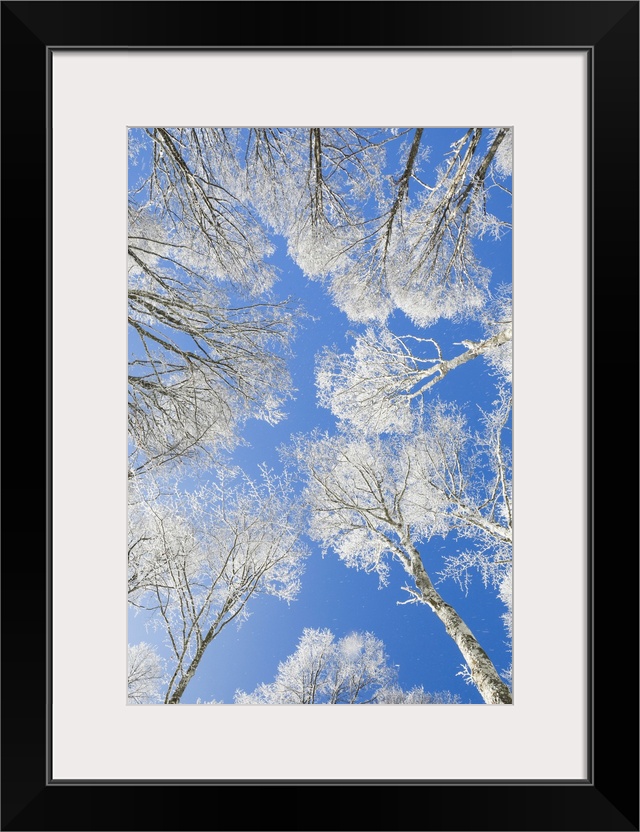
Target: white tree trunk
486,678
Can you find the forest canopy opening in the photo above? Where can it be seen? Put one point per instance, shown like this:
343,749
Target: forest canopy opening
320,332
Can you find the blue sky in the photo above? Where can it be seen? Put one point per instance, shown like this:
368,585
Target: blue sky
332,595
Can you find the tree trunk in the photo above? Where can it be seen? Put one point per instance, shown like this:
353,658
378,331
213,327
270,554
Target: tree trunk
175,697
486,678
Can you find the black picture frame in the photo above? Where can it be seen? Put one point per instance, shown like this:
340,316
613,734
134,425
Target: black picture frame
608,798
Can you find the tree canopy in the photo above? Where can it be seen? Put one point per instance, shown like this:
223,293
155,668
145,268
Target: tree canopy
401,229
352,670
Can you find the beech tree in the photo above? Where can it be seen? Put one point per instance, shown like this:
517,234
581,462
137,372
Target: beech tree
376,498
374,387
146,674
353,670
197,558
190,179
381,240
208,342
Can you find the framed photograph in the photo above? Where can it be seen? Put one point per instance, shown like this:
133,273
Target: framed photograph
95,87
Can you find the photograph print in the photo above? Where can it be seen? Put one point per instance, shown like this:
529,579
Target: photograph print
320,416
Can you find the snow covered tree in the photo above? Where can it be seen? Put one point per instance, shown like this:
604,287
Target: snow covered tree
395,237
416,696
374,498
146,674
323,670
208,342
353,670
189,178
406,244
374,387
310,185
197,558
